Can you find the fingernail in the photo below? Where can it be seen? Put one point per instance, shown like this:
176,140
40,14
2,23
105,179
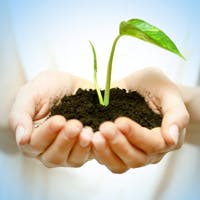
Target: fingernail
20,132
174,133
85,137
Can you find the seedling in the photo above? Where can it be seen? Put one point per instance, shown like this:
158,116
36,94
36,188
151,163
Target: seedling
141,30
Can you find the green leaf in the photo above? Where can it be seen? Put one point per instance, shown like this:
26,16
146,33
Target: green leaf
149,33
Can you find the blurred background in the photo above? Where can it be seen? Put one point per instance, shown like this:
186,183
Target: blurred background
55,34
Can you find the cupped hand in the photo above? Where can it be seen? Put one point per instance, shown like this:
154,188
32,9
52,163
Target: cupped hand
125,144
55,141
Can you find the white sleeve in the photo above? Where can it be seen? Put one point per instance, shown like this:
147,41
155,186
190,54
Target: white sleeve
11,75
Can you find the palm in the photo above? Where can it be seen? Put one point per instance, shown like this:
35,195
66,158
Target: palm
56,142
49,87
125,144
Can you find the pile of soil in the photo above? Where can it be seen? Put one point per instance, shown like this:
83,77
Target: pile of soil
84,106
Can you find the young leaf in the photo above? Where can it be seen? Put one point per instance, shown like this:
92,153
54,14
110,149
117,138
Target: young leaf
139,29
147,32
95,76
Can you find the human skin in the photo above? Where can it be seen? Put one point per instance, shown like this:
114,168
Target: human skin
118,145
56,142
124,144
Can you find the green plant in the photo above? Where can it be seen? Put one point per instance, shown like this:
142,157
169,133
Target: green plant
141,30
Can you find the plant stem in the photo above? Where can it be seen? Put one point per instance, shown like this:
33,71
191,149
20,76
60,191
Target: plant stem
98,89
95,76
109,72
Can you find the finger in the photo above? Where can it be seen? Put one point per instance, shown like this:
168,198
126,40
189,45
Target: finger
129,154
23,128
45,134
21,115
105,156
149,141
81,151
157,158
58,152
175,118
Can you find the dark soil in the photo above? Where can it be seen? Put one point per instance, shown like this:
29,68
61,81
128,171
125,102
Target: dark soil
84,106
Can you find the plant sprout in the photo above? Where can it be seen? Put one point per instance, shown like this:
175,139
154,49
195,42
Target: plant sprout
139,29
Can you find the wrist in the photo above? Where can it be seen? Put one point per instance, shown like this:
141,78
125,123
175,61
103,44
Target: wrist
191,97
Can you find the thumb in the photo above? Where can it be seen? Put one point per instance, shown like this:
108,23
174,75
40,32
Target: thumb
21,124
21,117
175,120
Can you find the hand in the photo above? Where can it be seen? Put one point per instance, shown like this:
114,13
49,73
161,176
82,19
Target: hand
56,142
124,144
